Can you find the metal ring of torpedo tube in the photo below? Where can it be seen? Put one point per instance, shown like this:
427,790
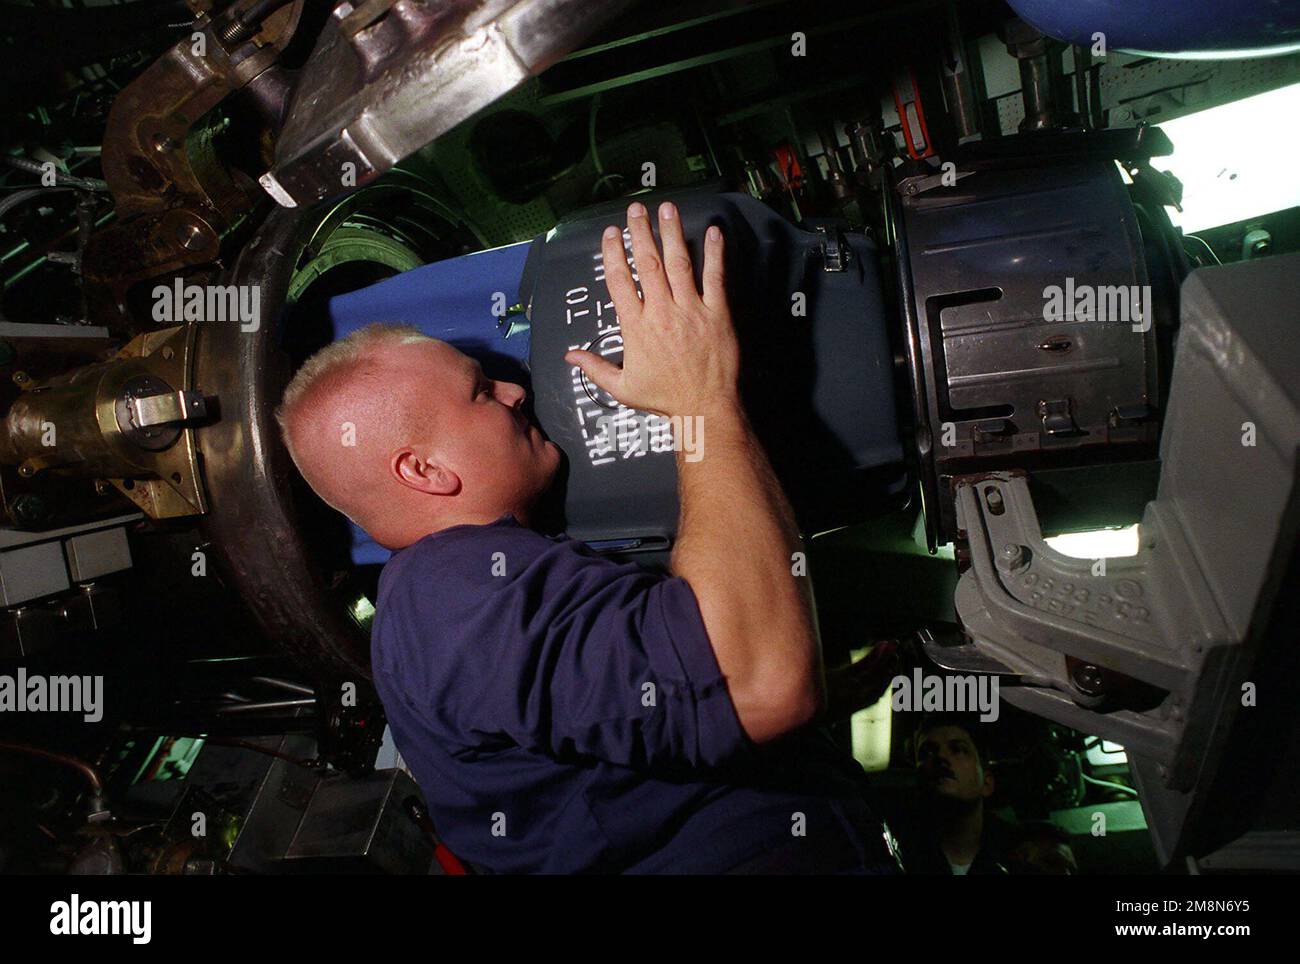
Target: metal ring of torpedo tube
253,522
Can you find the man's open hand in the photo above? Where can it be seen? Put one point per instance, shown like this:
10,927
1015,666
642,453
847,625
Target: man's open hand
680,355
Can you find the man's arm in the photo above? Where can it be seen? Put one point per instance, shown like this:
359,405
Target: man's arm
736,546
737,537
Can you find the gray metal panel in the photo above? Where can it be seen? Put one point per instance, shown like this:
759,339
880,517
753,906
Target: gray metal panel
378,88
360,823
276,808
1215,542
1238,366
15,329
96,554
32,571
1020,231
1275,851
982,255
21,537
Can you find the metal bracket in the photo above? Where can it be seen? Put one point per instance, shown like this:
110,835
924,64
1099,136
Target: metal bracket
921,183
836,252
1057,415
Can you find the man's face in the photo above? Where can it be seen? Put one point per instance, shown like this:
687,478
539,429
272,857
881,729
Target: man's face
476,427
949,766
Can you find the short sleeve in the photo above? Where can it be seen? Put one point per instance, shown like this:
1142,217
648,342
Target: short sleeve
571,655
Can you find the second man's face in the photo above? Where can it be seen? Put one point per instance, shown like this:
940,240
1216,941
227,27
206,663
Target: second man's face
949,765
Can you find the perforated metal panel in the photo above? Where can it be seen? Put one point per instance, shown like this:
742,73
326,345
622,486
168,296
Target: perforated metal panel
501,221
1158,90
1135,88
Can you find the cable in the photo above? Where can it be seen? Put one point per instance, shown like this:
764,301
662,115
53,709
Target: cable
1205,245
60,178
21,197
1109,786
26,194
245,745
591,136
601,180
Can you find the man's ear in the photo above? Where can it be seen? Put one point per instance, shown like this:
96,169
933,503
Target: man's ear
423,475
989,783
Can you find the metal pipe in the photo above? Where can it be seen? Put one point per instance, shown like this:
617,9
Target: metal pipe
1036,90
957,86
1082,61
285,684
270,705
81,766
1094,96
1040,68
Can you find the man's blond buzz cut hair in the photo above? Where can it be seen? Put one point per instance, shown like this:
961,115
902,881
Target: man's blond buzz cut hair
334,358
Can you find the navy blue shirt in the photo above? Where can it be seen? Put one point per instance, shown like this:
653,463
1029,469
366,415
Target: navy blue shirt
563,712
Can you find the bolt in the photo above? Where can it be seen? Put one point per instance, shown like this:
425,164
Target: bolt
1088,678
1011,557
190,236
28,509
234,32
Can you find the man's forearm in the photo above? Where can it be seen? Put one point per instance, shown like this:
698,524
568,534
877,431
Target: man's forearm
736,547
737,540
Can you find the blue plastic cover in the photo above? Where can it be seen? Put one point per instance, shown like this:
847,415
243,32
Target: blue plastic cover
1171,28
